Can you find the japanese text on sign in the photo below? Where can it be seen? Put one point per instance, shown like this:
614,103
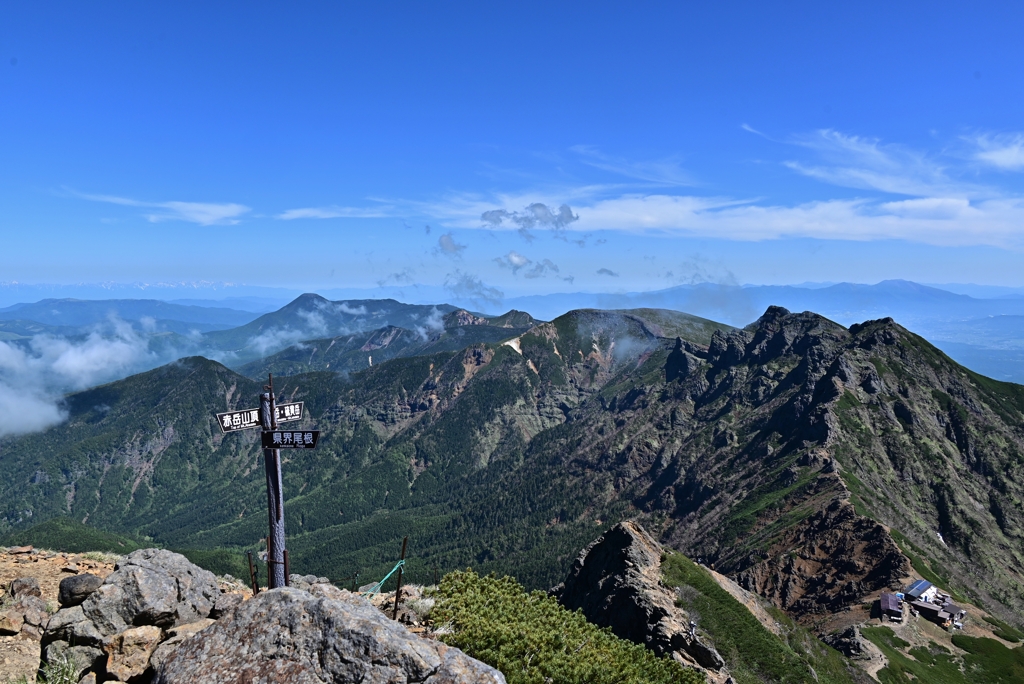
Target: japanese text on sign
288,439
250,418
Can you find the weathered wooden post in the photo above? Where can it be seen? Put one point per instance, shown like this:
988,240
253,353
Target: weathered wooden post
275,494
267,416
252,574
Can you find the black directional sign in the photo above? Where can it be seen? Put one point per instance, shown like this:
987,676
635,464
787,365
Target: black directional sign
291,439
250,418
238,420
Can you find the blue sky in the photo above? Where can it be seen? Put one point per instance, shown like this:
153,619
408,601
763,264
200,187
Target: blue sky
511,147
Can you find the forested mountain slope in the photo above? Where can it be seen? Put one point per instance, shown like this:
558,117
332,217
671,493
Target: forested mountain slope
796,456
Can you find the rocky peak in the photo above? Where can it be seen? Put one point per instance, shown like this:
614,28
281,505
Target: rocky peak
616,582
461,317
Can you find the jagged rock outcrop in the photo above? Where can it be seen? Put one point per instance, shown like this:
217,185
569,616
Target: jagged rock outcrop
849,642
616,582
289,635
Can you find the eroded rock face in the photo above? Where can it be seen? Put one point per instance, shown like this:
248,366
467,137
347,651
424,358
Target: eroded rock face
289,635
616,582
852,556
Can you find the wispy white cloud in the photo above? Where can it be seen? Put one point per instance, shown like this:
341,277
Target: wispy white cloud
939,207
1005,152
334,211
203,213
659,172
869,164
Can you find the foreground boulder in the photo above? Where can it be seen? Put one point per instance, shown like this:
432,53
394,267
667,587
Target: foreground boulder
75,589
616,582
329,635
113,628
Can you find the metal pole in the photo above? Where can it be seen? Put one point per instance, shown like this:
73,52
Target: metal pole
275,495
398,591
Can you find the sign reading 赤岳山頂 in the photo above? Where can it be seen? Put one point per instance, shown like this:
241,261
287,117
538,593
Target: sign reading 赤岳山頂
290,439
250,418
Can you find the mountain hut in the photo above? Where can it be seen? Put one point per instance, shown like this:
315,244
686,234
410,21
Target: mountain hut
921,589
890,606
932,612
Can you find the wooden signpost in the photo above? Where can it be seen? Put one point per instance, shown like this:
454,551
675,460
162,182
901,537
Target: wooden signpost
273,439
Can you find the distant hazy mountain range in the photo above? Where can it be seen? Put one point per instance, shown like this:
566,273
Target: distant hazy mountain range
981,327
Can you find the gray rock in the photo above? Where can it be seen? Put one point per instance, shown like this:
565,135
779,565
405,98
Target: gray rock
85,658
148,588
152,587
61,620
304,582
291,635
75,589
164,651
108,609
224,604
24,586
71,625
849,642
33,609
616,582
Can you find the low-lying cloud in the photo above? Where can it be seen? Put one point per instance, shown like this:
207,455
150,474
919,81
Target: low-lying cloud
433,323
325,319
468,288
34,377
516,262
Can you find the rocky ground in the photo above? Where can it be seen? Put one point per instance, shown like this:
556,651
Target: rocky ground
154,617
19,653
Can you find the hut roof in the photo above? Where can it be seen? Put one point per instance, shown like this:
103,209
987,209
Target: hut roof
917,588
889,603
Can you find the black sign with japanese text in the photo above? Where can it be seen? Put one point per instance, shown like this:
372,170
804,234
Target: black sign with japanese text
290,439
250,418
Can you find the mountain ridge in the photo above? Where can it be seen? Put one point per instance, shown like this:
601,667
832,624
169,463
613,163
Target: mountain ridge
772,452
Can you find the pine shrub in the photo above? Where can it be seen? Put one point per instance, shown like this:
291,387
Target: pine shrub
532,639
